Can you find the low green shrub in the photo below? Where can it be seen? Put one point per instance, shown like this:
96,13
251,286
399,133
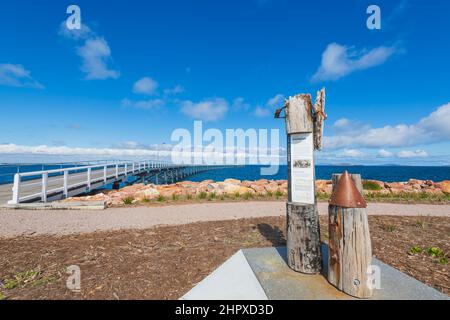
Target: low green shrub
128,200
435,252
371,185
416,250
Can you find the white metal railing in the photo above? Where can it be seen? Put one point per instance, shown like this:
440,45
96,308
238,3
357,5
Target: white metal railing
50,181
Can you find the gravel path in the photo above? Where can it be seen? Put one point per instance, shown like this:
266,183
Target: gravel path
60,222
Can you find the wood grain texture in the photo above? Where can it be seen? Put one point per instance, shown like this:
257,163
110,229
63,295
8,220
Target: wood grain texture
319,118
350,249
299,114
303,238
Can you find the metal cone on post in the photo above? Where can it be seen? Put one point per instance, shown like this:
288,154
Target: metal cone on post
304,129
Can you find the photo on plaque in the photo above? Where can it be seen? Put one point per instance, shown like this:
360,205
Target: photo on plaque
302,163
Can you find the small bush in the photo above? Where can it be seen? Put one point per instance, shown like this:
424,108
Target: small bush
420,224
146,200
2,297
323,196
278,194
10,284
20,279
416,250
443,260
189,197
212,196
435,252
370,185
161,198
128,200
175,197
248,195
237,195
202,195
389,227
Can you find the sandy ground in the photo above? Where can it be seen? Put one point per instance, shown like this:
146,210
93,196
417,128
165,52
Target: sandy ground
62,222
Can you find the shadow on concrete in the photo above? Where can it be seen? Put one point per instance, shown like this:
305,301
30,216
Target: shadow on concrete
282,251
273,234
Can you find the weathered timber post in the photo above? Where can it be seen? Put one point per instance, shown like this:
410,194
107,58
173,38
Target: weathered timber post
350,251
303,230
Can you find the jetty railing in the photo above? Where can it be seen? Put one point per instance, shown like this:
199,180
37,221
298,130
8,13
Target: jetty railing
28,186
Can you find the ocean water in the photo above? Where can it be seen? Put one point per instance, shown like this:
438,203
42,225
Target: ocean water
383,173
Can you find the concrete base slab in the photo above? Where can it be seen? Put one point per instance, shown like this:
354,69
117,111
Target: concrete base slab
82,205
232,280
271,273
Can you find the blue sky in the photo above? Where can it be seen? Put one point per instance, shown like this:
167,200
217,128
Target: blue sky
140,69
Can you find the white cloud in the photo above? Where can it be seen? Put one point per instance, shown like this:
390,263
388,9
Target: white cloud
143,104
342,123
239,104
133,149
95,53
276,102
75,34
339,61
64,150
146,86
15,75
384,153
269,108
207,110
352,153
431,129
262,112
412,154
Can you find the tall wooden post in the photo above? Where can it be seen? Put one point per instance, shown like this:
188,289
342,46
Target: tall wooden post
303,230
350,251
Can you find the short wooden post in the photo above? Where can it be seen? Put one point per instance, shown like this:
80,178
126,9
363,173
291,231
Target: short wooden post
303,229
350,251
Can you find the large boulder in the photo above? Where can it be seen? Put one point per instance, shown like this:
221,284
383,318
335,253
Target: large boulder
259,189
148,193
233,181
271,186
444,186
324,186
232,189
396,187
247,183
170,190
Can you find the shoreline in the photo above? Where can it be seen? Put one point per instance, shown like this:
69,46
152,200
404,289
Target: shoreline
415,191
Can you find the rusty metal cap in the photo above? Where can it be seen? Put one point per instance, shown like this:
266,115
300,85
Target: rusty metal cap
346,194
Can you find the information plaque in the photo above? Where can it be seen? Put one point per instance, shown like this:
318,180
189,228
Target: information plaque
302,168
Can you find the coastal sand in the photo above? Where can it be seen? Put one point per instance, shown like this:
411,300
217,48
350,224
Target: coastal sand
61,222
